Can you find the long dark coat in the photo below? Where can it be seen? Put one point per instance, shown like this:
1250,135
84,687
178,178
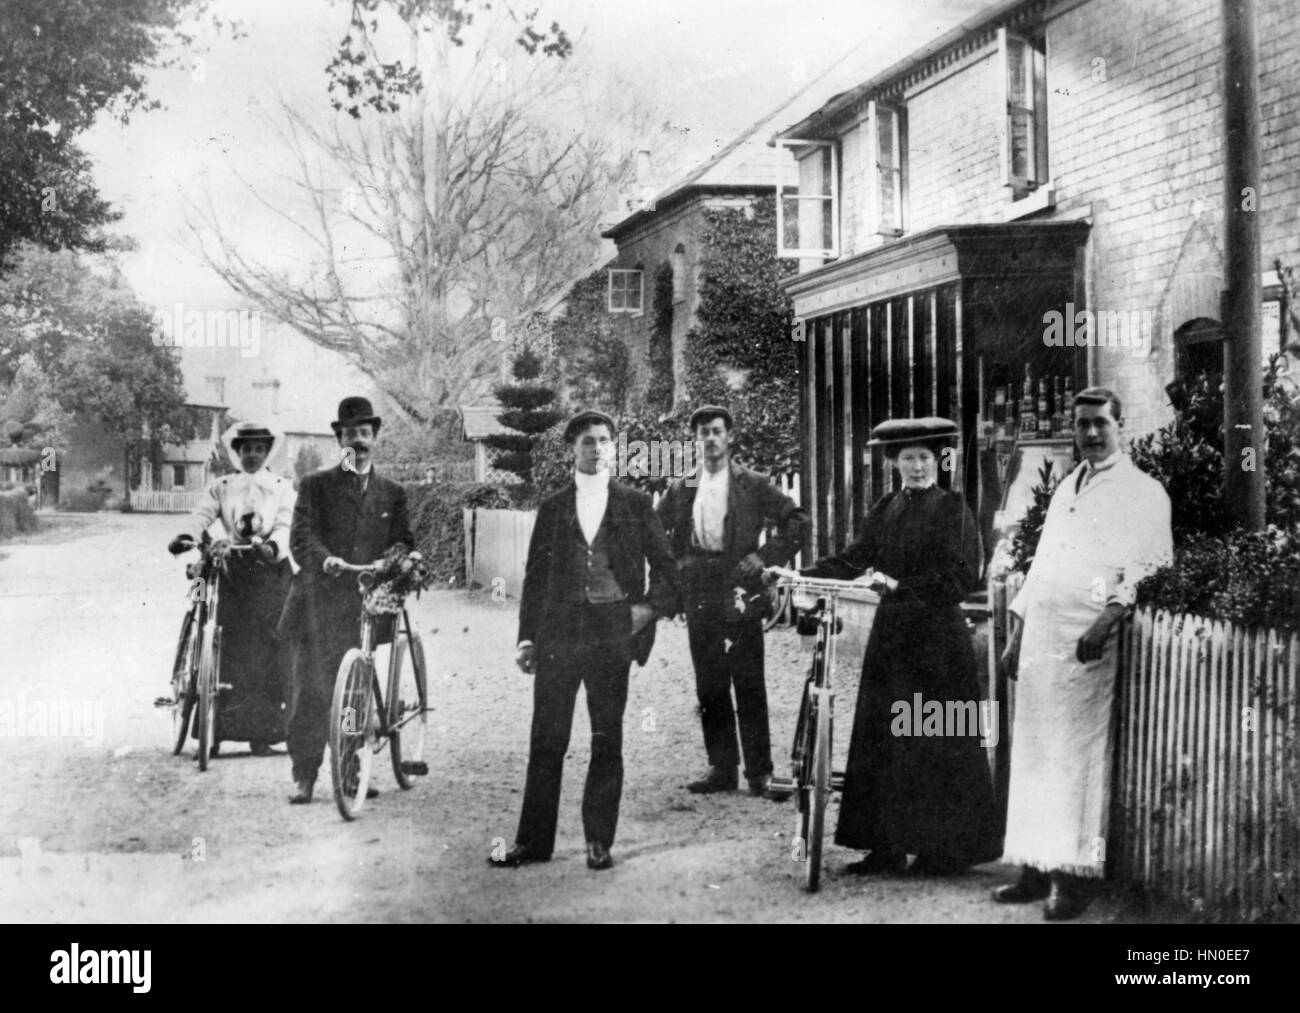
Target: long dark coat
927,795
333,518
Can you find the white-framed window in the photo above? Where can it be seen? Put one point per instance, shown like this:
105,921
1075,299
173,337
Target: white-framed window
885,206
626,290
808,222
1024,127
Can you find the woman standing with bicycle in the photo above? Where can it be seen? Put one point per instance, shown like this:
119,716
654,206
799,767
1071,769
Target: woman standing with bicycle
906,793
255,507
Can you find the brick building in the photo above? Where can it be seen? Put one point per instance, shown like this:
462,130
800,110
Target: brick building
1047,162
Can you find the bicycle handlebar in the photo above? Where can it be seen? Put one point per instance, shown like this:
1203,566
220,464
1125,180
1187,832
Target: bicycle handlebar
827,585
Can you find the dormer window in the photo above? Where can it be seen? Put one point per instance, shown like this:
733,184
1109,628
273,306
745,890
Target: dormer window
886,204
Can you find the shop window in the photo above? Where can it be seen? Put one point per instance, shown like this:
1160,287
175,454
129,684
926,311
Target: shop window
1024,125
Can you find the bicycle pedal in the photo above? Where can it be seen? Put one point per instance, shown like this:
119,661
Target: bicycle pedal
164,701
414,767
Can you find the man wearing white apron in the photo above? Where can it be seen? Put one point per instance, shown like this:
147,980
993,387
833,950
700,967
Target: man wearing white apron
1106,528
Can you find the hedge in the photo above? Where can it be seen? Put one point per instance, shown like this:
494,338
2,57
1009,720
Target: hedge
439,524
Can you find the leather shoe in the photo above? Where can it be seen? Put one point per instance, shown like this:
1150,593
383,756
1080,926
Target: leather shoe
519,855
259,747
1063,902
1032,885
303,795
598,856
372,793
717,779
758,786
881,860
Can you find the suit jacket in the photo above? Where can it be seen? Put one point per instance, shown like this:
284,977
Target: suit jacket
332,518
634,538
753,503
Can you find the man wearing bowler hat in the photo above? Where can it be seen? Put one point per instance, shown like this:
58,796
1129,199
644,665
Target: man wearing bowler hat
714,518
344,514
585,614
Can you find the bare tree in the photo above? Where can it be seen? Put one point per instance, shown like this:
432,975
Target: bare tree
471,203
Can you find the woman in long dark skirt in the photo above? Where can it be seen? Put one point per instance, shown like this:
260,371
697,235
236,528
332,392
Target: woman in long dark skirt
255,507
925,794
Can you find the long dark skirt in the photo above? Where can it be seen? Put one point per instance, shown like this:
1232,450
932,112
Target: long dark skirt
253,661
930,795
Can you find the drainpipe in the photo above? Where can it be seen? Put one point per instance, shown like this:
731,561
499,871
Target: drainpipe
1243,439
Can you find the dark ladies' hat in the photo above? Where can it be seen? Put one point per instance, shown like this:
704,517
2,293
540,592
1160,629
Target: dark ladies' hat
584,419
931,432
355,411
246,432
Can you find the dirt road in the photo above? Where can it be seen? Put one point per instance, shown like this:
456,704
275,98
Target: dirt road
100,823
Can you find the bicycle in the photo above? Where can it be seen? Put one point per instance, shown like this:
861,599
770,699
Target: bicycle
197,666
815,602
362,719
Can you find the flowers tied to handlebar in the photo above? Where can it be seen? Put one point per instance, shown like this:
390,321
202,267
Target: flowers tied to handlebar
395,575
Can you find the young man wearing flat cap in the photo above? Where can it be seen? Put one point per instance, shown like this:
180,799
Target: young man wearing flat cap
713,519
585,614
344,514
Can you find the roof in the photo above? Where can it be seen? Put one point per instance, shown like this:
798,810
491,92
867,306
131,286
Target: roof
749,161
19,455
952,45
480,420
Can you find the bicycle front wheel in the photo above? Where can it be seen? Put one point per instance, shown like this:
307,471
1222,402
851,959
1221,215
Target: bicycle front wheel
819,793
184,682
352,732
408,701
207,693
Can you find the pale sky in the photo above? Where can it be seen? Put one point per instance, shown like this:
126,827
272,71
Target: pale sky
710,68
714,67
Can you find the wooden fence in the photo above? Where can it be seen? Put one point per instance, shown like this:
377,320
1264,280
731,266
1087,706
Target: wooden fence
165,501
1207,764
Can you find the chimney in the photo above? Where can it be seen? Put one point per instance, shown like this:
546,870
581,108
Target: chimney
643,198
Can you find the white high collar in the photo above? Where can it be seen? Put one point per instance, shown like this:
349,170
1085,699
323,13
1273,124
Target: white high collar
589,484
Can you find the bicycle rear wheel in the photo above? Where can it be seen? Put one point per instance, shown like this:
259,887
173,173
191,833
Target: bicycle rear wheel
207,693
352,732
818,794
184,682
408,703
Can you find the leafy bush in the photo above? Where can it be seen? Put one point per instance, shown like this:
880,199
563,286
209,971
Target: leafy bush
16,513
1251,578
659,391
89,500
439,524
1025,544
529,409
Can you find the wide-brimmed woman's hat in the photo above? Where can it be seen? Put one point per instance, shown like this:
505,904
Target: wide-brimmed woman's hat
242,432
355,411
931,432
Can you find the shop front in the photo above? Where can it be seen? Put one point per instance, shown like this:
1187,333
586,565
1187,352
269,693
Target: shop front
956,322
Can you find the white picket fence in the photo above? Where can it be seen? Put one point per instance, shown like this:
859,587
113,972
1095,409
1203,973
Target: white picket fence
165,501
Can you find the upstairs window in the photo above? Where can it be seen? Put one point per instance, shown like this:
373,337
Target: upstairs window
885,208
626,290
807,222
678,262
1024,127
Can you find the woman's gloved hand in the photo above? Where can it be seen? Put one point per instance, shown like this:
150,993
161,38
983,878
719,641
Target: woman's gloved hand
179,544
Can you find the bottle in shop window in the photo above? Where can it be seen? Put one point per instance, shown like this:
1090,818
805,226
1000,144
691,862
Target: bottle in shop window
1028,422
1044,409
1068,408
1058,412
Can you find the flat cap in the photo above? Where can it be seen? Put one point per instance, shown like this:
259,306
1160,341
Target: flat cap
710,411
895,434
584,418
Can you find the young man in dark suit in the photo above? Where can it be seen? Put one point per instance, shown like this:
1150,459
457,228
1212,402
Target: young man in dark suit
585,614
713,518
344,514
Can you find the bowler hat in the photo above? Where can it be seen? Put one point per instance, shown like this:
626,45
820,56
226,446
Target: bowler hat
708,412
355,411
896,434
584,418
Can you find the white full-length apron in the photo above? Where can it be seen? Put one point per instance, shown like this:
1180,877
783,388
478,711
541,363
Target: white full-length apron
1095,547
